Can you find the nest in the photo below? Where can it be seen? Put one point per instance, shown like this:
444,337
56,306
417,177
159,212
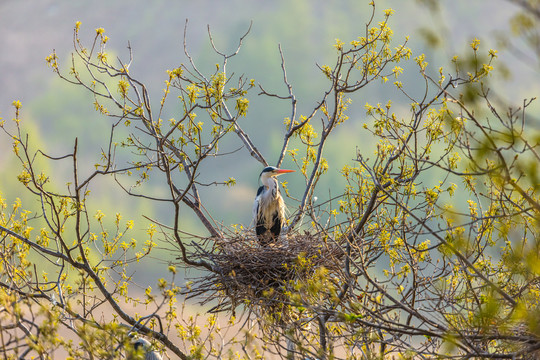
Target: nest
247,273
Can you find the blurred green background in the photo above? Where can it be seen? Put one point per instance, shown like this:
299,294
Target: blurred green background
55,112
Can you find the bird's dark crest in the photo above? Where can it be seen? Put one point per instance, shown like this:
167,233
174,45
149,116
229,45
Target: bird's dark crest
268,169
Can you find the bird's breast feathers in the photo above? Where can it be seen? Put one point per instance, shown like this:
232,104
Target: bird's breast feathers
268,206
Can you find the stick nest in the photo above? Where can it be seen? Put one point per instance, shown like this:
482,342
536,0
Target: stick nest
247,273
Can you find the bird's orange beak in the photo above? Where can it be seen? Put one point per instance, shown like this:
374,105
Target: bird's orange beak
283,171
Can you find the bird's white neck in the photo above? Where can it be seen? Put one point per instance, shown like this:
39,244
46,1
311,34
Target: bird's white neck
269,182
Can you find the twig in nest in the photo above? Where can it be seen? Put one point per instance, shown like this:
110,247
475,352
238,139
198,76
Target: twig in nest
246,272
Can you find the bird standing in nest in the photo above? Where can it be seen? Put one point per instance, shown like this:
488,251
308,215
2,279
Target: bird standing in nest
269,208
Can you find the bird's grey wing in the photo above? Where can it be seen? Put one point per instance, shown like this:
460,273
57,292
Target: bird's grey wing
255,209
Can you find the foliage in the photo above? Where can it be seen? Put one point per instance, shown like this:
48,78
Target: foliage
434,239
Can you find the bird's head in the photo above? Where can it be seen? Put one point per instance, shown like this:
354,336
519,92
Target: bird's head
271,171
142,344
142,349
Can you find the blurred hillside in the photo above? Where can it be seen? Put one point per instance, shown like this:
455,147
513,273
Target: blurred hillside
58,112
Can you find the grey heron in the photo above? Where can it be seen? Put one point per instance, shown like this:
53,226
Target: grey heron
269,208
